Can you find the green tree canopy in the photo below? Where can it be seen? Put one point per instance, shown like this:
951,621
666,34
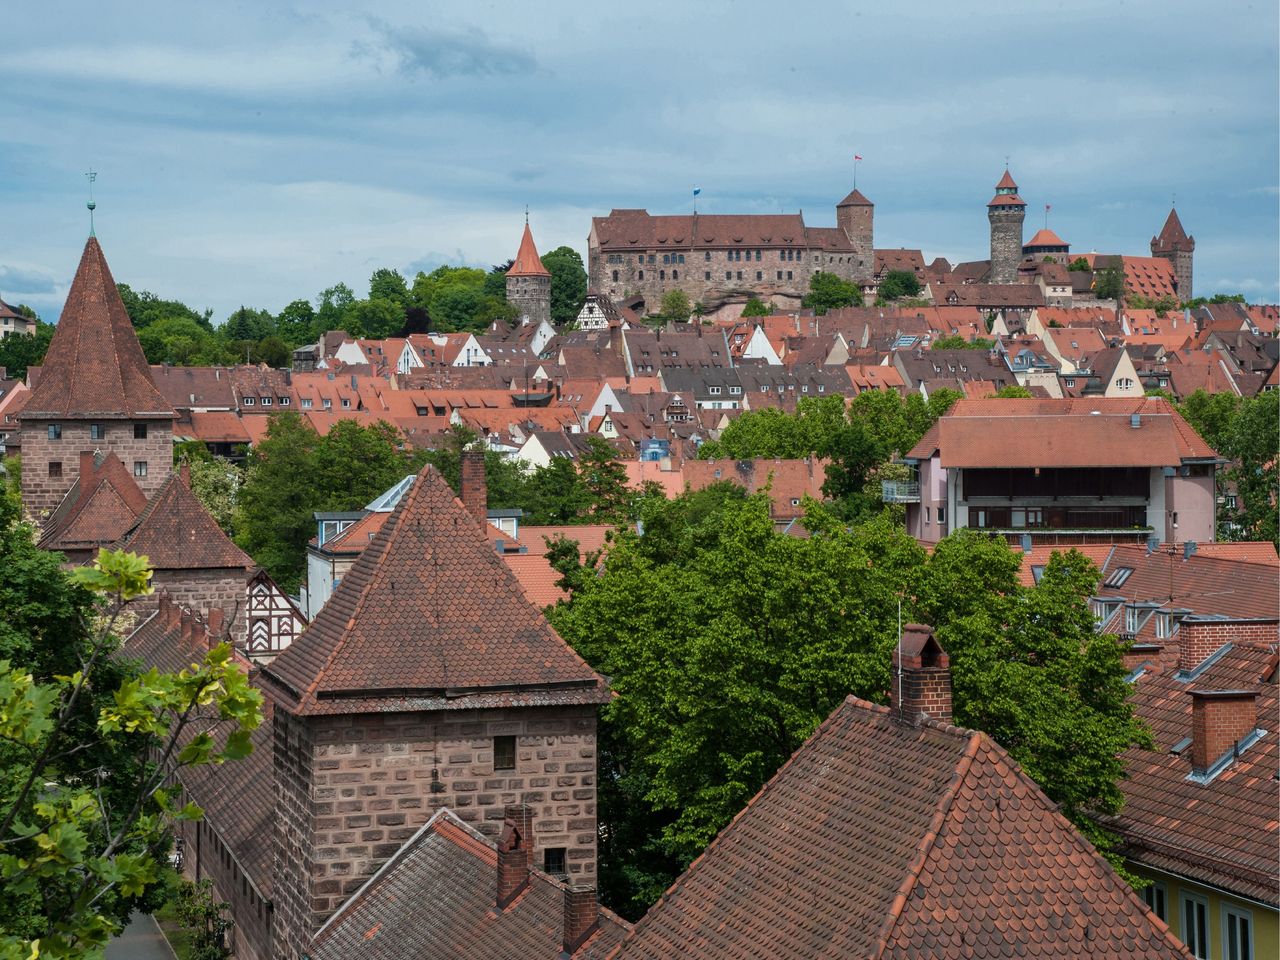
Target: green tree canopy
145,308
756,308
898,284
676,306
568,284
957,342
331,306
387,284
829,292
18,353
296,323
1108,284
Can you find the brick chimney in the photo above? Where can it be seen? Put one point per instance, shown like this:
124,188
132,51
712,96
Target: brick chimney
581,917
921,682
1200,639
215,619
514,849
1219,720
474,492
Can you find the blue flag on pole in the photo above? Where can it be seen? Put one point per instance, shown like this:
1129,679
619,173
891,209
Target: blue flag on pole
696,191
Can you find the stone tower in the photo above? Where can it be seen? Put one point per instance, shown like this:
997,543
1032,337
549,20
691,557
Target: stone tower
529,283
855,215
94,394
1005,212
428,680
1174,245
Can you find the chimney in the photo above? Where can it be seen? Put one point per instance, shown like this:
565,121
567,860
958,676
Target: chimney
184,474
1220,719
215,620
188,622
921,682
514,846
474,492
581,917
88,470
1199,639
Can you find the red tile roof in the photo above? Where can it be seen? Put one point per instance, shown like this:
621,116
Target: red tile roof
527,263
1006,181
1208,583
1172,236
1045,238
1224,832
882,839
636,230
177,533
435,898
1007,200
855,199
429,617
1062,433
94,366
103,503
216,426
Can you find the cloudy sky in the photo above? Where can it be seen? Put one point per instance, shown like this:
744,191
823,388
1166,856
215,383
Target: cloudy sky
258,152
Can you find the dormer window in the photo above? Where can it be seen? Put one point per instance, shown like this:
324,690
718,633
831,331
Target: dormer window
249,401
266,401
284,401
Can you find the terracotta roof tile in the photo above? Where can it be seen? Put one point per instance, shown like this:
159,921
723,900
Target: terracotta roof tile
1172,236
94,365
855,199
435,899
1045,238
103,503
527,263
429,617
882,839
177,533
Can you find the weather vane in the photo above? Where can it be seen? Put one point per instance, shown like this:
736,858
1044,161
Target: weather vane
91,176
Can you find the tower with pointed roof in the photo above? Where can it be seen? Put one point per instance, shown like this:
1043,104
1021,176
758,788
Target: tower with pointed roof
428,680
529,282
855,215
1173,244
1005,213
94,393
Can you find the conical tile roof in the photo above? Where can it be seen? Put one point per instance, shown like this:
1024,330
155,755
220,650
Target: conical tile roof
429,618
527,263
95,366
1172,234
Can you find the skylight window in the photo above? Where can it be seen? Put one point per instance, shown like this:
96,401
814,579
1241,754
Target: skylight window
1117,577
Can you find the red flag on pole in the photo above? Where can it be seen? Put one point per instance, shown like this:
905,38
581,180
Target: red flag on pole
856,157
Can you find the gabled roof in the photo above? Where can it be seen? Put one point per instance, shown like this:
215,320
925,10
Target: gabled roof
1030,433
429,617
95,366
435,898
527,262
177,533
882,839
101,505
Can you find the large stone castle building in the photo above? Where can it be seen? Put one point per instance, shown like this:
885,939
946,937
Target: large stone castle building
727,258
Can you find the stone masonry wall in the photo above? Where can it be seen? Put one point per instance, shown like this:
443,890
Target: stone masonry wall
371,790
203,589
41,492
531,296
714,276
858,224
205,855
297,916
1006,243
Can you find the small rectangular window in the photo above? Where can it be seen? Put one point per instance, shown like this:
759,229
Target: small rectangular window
789,275
553,861
504,753
640,274
55,468
139,431
1237,935
728,274
1195,925
139,468
284,401
266,401
739,274
927,518
706,275
779,274
249,401
96,431
759,275
55,431
1154,894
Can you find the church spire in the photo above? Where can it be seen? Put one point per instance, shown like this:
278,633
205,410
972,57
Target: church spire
527,262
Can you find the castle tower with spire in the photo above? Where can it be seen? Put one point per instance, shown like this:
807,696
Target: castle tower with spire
529,283
855,215
1005,212
1174,245
94,394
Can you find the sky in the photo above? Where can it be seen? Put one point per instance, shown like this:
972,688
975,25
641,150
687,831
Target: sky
256,153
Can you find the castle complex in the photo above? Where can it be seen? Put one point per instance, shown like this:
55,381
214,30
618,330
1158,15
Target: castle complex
721,258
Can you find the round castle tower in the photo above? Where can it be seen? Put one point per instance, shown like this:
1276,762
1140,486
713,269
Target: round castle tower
1005,212
529,282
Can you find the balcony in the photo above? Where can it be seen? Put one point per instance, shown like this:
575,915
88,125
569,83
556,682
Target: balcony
900,491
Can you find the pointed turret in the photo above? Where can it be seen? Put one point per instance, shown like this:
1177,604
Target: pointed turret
855,215
529,282
1173,244
95,366
1005,213
94,393
527,262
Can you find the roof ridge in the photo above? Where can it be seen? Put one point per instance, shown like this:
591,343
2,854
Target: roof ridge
941,813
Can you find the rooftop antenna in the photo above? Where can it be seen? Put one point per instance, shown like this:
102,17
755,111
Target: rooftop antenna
91,176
